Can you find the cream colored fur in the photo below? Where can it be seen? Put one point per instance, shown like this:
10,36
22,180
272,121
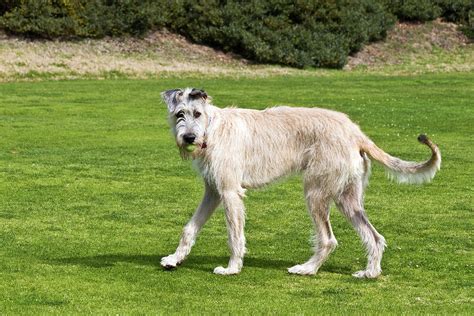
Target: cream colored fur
238,149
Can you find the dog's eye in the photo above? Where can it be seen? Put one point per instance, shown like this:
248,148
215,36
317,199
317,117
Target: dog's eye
180,114
197,114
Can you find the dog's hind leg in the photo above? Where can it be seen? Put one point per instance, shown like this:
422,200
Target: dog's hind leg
325,243
209,203
350,203
235,220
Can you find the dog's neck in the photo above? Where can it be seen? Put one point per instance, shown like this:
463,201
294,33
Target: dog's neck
211,112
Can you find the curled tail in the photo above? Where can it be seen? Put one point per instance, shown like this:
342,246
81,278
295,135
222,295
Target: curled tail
406,171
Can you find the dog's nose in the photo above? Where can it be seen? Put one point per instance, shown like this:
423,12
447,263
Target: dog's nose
189,138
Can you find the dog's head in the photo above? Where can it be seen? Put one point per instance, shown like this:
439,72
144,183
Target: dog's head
188,117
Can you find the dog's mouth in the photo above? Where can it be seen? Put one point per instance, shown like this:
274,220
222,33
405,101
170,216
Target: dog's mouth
196,145
193,148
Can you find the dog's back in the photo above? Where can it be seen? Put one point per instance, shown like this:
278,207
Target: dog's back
278,141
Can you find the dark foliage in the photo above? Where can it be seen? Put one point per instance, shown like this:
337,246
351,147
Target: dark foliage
295,33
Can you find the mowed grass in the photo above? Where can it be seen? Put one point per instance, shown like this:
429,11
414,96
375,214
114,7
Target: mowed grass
93,194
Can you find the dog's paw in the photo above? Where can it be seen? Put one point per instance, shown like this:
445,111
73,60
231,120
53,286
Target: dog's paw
302,269
169,262
226,271
369,274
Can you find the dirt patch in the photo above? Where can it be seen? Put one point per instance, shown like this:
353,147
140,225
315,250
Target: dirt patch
158,54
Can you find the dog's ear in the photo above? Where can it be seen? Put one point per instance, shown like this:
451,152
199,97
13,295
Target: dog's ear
171,98
197,93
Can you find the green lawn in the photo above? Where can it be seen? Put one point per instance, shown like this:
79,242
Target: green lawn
93,194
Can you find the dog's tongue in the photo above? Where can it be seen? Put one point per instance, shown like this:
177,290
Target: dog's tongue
203,145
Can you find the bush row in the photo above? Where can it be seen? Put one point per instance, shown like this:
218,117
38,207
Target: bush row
79,18
299,33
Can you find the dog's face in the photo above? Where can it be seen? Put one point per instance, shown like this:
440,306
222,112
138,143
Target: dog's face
187,116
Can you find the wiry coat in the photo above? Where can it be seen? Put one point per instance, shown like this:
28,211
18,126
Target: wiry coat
262,146
241,148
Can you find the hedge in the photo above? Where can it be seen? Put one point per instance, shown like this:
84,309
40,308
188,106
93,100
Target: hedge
295,33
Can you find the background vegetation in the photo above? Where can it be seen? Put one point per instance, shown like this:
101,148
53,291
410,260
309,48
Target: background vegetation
300,33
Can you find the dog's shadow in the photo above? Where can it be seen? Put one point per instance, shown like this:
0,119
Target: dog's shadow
198,262
109,260
194,262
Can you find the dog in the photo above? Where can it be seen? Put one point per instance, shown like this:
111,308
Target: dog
237,149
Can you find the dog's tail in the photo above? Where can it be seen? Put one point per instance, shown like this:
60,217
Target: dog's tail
406,171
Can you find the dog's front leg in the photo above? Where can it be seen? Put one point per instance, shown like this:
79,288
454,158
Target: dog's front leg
209,203
235,219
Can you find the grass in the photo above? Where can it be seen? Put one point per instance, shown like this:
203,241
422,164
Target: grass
94,194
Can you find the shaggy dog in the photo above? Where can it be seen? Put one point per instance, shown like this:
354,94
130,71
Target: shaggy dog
236,149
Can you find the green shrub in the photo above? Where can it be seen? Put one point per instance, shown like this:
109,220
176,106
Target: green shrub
456,10
426,10
6,5
297,33
468,28
415,10
81,18
39,18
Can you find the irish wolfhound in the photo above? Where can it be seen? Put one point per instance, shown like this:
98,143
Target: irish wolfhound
235,149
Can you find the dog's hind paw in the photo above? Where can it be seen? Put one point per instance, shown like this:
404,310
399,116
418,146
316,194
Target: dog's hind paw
226,271
169,262
302,269
369,274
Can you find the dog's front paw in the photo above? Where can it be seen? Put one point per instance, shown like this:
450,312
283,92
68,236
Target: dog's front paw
302,269
226,271
169,262
369,274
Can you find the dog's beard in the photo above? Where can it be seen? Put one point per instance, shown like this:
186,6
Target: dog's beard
185,155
